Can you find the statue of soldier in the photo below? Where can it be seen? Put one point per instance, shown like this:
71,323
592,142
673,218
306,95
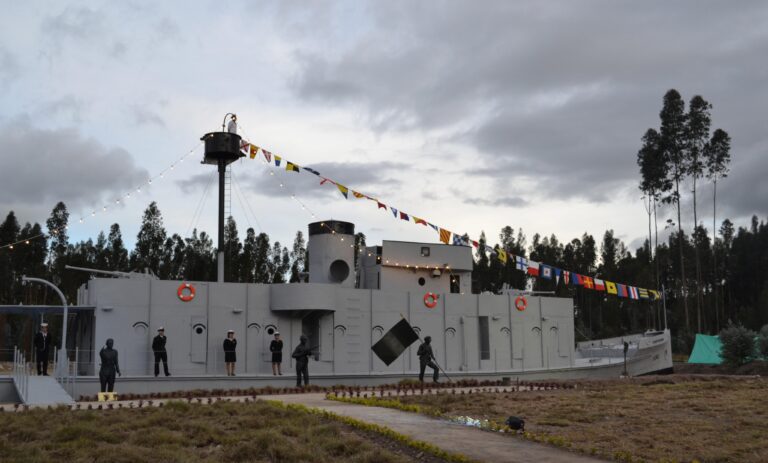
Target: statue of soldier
426,359
109,366
302,354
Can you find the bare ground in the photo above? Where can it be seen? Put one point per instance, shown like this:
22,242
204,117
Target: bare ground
666,418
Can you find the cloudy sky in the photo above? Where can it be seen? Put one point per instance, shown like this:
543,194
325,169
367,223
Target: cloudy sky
473,115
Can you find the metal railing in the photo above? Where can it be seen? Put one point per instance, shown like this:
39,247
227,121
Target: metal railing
21,374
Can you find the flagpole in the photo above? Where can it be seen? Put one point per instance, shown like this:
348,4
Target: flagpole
433,355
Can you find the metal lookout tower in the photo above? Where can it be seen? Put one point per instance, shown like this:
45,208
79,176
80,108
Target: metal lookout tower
221,149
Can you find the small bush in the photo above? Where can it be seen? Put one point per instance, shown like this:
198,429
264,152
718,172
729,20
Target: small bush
738,345
762,342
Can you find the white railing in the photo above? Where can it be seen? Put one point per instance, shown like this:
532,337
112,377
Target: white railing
21,374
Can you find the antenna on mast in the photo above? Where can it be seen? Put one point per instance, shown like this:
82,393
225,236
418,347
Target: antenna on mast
221,149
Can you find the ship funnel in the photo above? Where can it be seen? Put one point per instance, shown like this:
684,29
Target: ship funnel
331,249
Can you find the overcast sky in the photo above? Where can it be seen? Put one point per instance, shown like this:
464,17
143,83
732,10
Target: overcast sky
472,115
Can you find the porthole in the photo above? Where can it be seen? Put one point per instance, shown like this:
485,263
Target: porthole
199,330
422,281
270,331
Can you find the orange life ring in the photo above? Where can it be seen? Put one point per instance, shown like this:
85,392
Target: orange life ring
521,303
430,300
189,295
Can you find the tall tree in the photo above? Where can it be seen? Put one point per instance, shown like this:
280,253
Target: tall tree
9,232
57,231
247,258
672,134
232,250
654,182
299,256
148,252
697,124
261,260
117,254
717,156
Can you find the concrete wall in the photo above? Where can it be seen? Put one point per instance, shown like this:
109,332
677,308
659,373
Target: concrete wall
343,323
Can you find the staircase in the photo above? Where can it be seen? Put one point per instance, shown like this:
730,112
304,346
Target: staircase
37,390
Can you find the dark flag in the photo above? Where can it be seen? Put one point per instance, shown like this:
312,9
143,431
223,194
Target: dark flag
395,341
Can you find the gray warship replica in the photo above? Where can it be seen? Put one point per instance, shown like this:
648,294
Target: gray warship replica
343,306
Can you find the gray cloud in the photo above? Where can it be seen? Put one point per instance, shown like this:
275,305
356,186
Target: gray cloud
74,22
368,178
41,167
9,67
68,105
142,115
550,91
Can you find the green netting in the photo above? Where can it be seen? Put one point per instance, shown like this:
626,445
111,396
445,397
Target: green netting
706,350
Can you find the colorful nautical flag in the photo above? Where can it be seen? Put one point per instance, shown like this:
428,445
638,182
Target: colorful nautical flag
533,268
445,236
558,272
633,292
404,216
576,279
599,285
418,220
655,296
643,293
566,277
267,155
545,271
381,205
621,290
344,190
587,282
277,160
521,263
309,169
475,244
394,211
437,229
291,167
502,255
253,151
457,241
245,147
356,194
395,341
610,287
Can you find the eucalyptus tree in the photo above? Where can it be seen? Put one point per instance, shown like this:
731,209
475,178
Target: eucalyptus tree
654,182
697,124
717,155
673,129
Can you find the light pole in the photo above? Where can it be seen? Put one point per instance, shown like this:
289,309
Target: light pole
63,361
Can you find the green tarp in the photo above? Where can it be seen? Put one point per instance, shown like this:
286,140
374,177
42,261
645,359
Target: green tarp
706,350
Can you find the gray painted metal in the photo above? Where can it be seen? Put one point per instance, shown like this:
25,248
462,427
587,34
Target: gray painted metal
45,390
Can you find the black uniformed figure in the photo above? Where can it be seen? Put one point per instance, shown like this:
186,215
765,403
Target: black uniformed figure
158,347
109,366
301,354
276,347
230,344
426,357
43,342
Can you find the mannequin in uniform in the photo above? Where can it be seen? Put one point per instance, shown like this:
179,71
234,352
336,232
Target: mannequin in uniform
276,347
43,341
230,344
161,355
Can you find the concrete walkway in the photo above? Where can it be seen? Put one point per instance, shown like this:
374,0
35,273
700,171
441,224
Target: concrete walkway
451,437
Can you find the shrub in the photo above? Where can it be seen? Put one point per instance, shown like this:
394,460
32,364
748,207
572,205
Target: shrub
762,342
738,345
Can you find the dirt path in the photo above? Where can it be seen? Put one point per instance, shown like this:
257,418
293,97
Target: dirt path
473,443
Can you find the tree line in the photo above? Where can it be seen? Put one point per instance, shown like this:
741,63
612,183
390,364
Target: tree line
722,272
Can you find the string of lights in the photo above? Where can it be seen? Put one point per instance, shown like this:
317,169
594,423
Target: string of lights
106,207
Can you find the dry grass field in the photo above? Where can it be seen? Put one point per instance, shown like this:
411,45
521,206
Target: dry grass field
668,418
181,432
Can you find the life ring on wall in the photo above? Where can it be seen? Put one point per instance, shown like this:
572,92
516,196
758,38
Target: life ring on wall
430,300
521,303
189,295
